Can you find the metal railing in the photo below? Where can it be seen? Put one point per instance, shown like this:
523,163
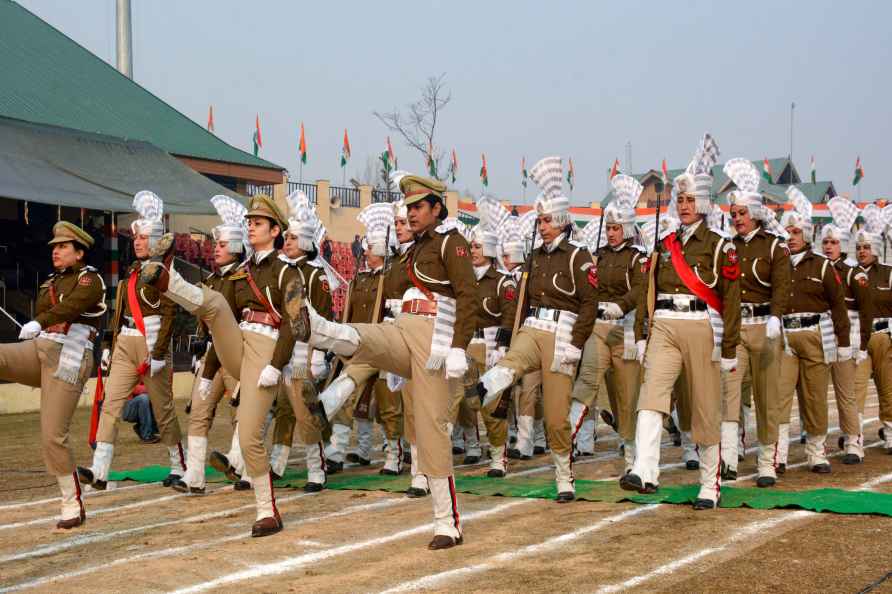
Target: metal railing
345,197
254,189
385,196
308,189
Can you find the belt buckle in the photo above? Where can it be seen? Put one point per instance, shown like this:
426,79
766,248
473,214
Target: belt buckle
796,323
747,310
413,306
681,306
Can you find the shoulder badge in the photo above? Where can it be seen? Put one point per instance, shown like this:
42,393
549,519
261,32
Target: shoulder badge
645,265
461,251
510,292
85,280
324,285
239,274
593,276
862,279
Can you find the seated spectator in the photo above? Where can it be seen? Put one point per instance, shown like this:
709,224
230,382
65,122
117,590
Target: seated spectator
138,410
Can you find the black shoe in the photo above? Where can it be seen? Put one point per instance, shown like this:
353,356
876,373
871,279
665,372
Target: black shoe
701,504
457,451
155,272
538,450
471,460
728,473
355,458
676,439
765,481
182,487
241,485
85,475
415,492
821,468
802,438
581,454
388,472
692,465
332,467
781,468
313,487
565,497
841,442
515,454
632,482
167,482
882,433
407,458
851,459
607,417
496,473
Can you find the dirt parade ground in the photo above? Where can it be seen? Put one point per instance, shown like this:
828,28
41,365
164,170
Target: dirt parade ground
145,538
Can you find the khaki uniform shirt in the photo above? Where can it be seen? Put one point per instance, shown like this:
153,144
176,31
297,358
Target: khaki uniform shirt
79,293
363,294
318,291
497,295
765,270
857,295
151,303
441,263
879,289
714,260
816,288
564,279
396,280
622,279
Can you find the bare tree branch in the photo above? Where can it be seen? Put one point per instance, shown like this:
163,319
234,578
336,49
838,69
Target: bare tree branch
418,126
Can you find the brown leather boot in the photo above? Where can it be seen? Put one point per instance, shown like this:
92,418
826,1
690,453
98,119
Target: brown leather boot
267,526
441,541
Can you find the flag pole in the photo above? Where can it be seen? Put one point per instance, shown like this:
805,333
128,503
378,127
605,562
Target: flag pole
301,172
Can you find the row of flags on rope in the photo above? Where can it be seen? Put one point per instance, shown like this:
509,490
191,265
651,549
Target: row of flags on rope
388,159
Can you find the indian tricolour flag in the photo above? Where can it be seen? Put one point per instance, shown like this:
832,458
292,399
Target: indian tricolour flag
814,173
859,172
523,172
302,145
258,141
766,171
345,150
484,175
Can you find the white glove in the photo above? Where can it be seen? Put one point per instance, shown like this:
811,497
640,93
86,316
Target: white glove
204,388
729,365
843,353
269,377
612,311
641,345
318,365
571,356
456,363
495,355
772,328
861,356
105,359
395,383
30,330
288,373
156,366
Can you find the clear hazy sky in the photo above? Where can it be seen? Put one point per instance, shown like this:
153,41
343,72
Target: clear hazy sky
579,79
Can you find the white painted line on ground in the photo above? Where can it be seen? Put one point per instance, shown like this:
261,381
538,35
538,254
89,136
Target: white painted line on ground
85,539
266,570
87,493
498,561
105,510
741,534
203,545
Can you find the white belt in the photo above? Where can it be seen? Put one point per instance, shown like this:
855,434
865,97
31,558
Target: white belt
128,331
261,329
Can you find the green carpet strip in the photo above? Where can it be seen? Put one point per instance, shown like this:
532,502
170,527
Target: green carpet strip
839,501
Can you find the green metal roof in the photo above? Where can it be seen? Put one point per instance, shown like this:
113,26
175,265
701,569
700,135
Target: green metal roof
50,79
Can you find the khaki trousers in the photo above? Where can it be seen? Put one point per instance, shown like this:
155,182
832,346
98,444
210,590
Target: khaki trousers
300,394
254,402
130,352
496,429
409,414
283,430
805,373
403,348
603,364
389,410
203,410
842,374
879,350
533,350
679,356
759,359
529,397
215,312
33,363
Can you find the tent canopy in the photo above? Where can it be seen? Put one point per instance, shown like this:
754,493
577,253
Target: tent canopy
53,165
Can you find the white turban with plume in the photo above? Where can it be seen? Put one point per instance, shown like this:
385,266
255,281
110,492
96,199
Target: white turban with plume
303,223
697,177
379,227
844,213
746,177
234,228
151,216
800,216
548,174
493,217
876,220
621,211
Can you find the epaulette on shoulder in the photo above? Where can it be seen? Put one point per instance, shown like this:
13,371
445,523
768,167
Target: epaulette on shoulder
89,268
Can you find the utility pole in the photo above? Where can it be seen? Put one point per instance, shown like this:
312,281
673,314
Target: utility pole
124,36
792,108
